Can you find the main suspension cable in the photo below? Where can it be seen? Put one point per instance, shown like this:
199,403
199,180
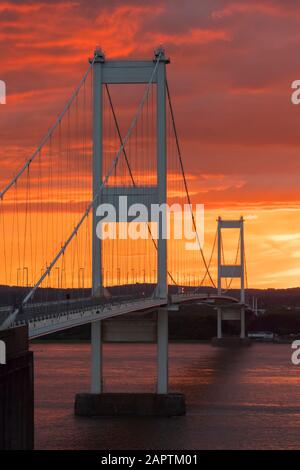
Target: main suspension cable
50,131
209,262
185,184
129,168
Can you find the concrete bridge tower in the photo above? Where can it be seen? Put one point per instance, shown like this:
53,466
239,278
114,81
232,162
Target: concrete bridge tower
236,271
107,72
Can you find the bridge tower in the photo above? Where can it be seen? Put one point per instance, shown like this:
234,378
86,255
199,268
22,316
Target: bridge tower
130,72
231,271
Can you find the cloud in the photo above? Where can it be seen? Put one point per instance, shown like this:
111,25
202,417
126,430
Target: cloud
288,273
232,64
266,8
194,37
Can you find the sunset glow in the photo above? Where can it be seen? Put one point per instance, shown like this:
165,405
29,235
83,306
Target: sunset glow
239,131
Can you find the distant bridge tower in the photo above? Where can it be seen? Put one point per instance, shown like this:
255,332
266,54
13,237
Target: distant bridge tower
232,271
129,72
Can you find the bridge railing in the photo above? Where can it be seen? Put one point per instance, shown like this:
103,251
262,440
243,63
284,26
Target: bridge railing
65,315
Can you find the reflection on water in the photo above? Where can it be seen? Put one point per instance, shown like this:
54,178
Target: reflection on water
236,399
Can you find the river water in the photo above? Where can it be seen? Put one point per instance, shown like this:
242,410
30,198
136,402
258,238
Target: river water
236,399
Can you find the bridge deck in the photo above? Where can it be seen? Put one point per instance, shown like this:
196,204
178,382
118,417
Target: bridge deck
50,317
68,319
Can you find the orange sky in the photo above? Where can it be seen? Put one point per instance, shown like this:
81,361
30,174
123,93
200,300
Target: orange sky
232,64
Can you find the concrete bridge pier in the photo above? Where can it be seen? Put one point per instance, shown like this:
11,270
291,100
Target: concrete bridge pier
219,323
231,314
134,328
162,351
243,323
96,357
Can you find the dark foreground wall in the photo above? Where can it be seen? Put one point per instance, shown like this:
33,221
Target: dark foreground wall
16,392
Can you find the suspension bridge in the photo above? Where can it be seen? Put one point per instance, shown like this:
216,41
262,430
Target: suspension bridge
106,144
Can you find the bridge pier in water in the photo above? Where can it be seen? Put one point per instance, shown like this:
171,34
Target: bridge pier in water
96,357
162,351
138,329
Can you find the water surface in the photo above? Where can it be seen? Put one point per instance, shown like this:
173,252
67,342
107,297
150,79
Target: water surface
236,399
